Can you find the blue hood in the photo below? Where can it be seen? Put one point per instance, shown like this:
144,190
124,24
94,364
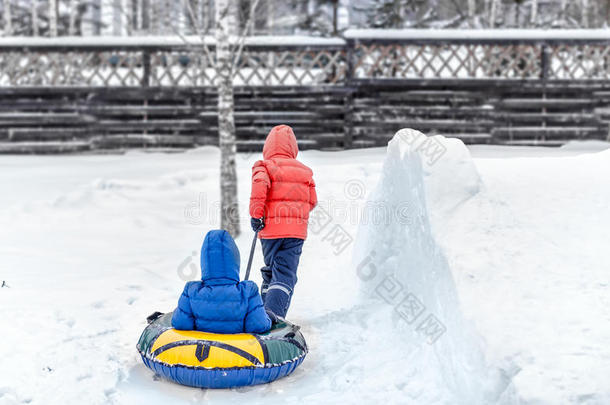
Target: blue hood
219,259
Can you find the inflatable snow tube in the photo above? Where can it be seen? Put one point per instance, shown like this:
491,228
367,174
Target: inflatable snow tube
212,360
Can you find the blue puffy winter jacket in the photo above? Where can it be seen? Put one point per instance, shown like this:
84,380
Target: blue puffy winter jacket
220,303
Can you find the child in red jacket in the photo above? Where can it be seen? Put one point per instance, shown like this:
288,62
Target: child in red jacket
283,194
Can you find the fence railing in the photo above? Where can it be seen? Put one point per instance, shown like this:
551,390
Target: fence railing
481,54
305,61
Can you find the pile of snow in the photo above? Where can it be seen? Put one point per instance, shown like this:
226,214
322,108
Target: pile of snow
450,175
401,266
587,146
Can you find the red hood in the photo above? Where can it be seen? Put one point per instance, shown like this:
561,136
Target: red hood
281,142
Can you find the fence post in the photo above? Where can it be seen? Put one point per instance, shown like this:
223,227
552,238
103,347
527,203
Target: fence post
544,62
348,99
145,68
544,75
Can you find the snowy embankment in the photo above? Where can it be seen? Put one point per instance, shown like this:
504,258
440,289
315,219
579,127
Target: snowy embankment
506,252
399,261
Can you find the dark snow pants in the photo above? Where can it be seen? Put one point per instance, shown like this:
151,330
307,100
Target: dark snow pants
280,273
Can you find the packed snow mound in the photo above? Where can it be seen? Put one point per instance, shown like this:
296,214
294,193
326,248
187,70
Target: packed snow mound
404,272
450,175
586,146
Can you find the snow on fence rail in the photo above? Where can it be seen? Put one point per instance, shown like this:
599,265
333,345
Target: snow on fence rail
166,61
306,61
480,54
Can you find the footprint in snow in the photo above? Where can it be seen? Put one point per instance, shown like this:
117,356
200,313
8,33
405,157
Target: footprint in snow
98,304
83,377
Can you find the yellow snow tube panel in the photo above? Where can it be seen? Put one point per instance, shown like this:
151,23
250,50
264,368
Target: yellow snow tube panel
210,350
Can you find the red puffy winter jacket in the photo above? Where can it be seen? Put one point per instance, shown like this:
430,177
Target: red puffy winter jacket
283,190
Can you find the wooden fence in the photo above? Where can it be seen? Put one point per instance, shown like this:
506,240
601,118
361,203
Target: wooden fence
70,94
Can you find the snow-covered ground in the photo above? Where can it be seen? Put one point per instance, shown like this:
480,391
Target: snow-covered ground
507,251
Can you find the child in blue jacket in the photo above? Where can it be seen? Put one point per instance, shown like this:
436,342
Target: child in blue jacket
220,303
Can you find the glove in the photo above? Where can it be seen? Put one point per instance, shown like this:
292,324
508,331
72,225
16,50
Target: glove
274,318
257,224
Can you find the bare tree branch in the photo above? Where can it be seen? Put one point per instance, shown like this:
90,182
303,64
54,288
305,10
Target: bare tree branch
201,32
236,53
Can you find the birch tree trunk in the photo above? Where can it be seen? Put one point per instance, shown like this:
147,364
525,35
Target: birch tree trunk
564,13
595,7
117,17
585,14
270,17
225,25
534,14
139,17
129,16
96,16
73,11
152,18
53,18
492,13
8,20
471,12
34,12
